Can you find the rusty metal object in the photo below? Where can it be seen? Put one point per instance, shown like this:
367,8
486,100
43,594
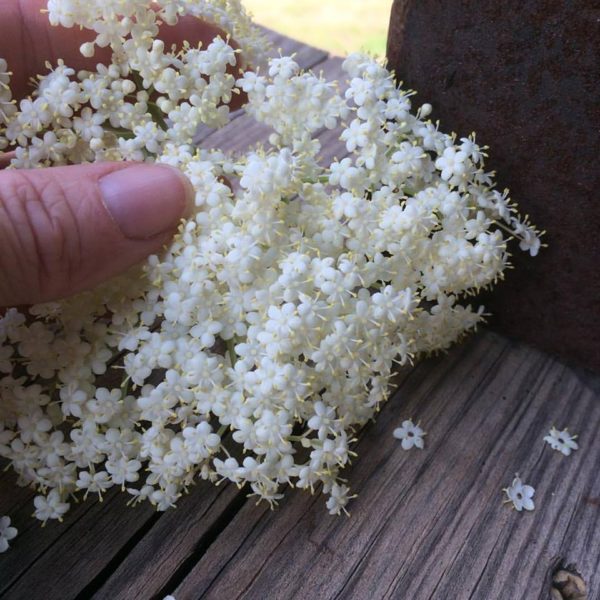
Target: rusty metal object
525,75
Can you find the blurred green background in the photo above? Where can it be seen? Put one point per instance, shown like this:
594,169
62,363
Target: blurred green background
340,26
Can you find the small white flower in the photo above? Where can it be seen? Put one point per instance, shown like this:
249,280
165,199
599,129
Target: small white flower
562,441
6,533
50,506
451,162
520,495
95,483
338,499
410,434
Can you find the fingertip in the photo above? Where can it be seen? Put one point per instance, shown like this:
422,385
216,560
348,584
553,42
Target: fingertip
146,200
189,193
67,229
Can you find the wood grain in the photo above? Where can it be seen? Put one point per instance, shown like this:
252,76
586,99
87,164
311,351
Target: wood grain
431,524
172,544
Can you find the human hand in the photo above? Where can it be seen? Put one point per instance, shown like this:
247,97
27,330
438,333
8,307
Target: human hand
66,229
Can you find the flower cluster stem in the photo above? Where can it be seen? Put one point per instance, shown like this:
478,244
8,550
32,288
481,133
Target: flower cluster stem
231,351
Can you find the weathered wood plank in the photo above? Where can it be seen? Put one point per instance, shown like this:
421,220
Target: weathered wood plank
306,56
431,524
57,560
174,541
11,495
76,558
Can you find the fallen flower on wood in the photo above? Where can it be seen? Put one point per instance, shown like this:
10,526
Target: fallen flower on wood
7,533
520,495
410,434
562,441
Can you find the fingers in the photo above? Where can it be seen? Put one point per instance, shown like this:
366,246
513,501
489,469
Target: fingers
66,229
5,158
28,41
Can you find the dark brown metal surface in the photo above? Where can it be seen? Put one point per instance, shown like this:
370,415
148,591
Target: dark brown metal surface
525,75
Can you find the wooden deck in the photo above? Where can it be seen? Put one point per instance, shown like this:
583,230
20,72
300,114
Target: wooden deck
426,524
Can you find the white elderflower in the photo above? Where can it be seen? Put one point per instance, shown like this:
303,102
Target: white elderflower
338,499
451,163
50,506
274,320
96,483
520,495
7,104
562,441
410,434
7,533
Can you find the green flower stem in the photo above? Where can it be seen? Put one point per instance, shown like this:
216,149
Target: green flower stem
157,115
506,229
231,350
122,133
137,79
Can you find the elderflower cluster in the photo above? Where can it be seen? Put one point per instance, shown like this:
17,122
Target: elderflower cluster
148,98
7,104
265,336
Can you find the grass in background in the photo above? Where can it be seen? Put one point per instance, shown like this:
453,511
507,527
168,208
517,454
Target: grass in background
339,26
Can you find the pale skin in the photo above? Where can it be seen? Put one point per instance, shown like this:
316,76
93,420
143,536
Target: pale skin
66,229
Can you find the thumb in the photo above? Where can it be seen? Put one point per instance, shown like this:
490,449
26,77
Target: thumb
66,229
